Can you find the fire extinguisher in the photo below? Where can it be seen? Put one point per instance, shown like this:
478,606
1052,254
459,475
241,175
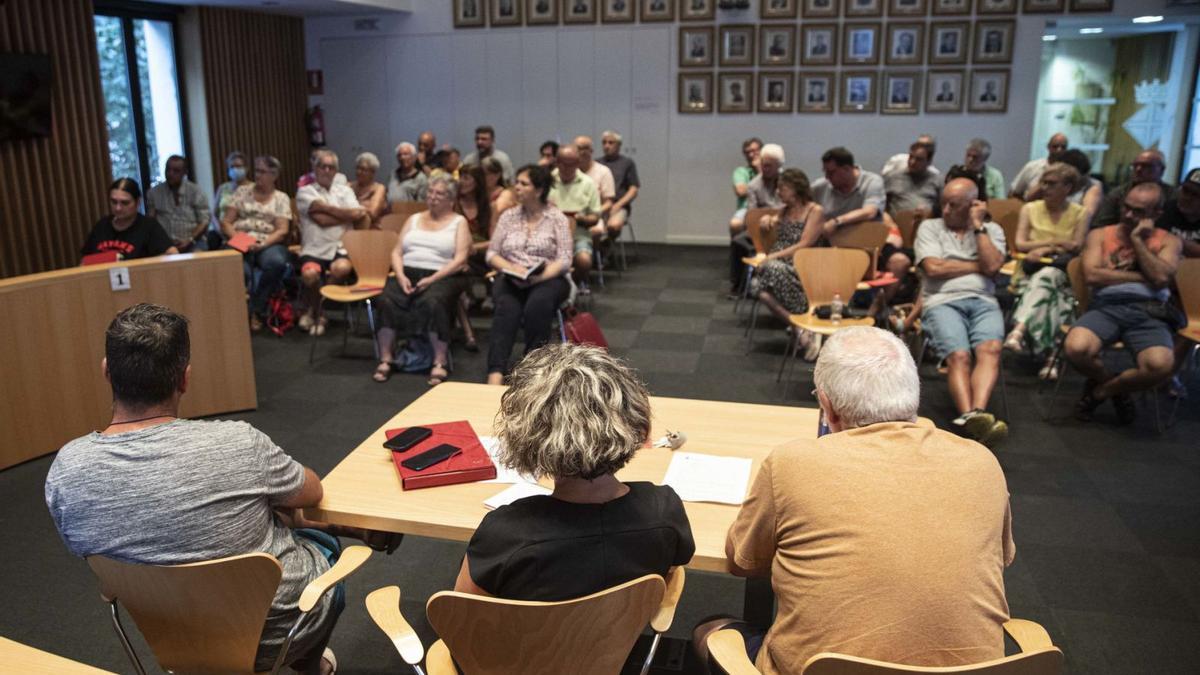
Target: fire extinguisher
316,126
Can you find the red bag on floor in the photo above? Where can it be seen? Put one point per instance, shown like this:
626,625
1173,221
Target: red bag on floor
582,329
280,314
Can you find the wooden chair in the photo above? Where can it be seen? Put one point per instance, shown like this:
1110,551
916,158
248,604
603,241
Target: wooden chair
1007,213
398,214
370,252
207,617
763,239
907,222
485,635
869,236
1038,656
824,273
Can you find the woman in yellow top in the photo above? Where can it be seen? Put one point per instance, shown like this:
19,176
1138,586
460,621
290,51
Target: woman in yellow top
1051,227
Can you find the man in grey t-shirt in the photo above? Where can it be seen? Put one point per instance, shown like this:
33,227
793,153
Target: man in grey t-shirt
847,194
155,489
915,186
485,146
958,254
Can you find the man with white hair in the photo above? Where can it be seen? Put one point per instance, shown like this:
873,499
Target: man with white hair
327,209
884,538
760,194
408,183
625,179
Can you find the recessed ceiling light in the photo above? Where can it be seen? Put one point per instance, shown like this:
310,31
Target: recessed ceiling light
1049,38
1147,19
1090,31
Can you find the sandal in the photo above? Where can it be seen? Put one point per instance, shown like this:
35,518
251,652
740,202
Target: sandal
318,327
382,372
434,377
471,345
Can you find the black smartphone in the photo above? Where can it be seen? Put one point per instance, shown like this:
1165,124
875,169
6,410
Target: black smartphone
407,438
430,457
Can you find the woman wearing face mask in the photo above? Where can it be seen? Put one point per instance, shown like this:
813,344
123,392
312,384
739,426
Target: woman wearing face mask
237,167
126,232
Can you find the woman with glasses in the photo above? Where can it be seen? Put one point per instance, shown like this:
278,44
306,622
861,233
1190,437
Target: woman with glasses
258,209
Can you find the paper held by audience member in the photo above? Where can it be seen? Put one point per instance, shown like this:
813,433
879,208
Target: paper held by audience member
491,445
708,478
513,493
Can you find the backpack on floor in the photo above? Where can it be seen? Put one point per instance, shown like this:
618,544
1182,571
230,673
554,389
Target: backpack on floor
416,356
281,316
583,329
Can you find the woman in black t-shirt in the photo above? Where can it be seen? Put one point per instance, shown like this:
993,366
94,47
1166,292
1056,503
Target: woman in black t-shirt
578,415
125,231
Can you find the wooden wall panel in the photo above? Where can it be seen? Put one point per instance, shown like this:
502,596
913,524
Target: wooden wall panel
53,189
254,83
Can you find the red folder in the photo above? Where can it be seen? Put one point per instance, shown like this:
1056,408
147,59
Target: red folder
100,258
242,241
472,464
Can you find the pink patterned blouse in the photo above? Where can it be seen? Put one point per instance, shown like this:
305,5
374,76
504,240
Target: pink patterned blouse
550,240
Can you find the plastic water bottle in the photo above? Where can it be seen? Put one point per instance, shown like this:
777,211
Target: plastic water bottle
835,308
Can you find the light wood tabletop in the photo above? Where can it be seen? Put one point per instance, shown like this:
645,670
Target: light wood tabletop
19,658
364,489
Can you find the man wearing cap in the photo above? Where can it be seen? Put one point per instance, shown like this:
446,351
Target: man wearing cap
1181,215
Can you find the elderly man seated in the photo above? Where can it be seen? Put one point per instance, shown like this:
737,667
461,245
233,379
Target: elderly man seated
958,254
883,539
1130,267
1148,167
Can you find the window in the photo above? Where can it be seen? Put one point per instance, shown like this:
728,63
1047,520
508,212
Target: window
142,97
1192,155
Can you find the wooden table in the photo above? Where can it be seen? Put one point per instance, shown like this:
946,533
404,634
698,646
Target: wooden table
364,489
19,658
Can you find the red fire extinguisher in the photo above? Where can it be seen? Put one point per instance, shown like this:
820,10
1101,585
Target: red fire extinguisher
316,126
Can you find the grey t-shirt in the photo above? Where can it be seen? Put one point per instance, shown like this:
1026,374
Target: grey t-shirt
184,492
906,192
868,190
506,164
759,195
408,190
935,240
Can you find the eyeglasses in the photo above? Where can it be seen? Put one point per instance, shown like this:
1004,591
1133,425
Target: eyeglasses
327,167
1145,165
1135,211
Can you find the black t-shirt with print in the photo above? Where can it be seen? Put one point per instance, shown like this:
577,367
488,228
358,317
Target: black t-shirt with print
143,239
1173,221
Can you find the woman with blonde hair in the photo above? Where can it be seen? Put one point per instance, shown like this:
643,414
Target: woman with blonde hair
577,415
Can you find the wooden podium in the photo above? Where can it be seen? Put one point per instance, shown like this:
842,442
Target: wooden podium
51,386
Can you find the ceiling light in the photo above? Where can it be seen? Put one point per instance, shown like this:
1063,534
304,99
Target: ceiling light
1147,19
1090,31
1049,38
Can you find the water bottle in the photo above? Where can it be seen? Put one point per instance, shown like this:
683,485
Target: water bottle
835,308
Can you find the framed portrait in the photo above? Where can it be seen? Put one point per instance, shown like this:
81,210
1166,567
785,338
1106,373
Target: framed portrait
1042,6
1091,5
818,9
470,13
695,46
541,12
505,12
774,91
951,7
737,45
905,44
995,6
695,93
901,93
860,43
948,42
618,11
658,10
777,45
858,91
989,91
861,8
819,44
735,92
943,91
993,41
579,11
697,10
816,92
906,7
778,9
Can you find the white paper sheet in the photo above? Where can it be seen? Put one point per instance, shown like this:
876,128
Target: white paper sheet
513,493
491,445
708,478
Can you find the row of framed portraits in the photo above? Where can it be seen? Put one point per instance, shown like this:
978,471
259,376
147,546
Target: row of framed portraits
480,13
850,91
851,44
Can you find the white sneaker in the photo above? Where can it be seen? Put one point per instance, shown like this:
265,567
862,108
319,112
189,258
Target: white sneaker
814,348
306,321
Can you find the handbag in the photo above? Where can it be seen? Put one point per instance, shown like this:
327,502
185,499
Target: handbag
1032,266
583,329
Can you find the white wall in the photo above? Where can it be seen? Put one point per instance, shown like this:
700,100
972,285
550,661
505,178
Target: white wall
416,72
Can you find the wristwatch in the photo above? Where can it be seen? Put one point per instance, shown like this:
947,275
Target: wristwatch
980,230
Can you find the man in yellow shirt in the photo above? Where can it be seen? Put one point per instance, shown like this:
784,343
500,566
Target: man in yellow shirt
576,195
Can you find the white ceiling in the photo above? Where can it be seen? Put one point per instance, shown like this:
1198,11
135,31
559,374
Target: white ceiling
307,7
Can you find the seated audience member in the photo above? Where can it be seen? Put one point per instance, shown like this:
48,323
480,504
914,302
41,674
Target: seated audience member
760,193
179,205
485,146
1089,192
975,163
419,301
899,161
311,177
237,167
156,489
1130,267
536,233
1027,177
882,539
426,148
798,226
958,255
548,155
625,177
447,161
913,186
474,204
603,178
847,193
576,195
408,183
500,192
577,415
326,210
1148,167
369,192
1181,216
125,231
1051,228
742,175
260,210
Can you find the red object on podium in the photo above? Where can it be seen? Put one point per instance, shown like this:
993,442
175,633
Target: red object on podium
468,466
100,258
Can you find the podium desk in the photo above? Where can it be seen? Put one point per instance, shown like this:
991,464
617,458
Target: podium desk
53,338
19,658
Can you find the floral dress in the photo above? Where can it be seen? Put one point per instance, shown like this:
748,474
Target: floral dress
778,277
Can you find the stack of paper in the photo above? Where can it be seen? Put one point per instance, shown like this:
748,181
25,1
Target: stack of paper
491,445
708,478
513,493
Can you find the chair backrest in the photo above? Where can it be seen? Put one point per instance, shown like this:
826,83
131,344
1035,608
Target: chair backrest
393,222
370,252
199,618
1187,280
1079,287
593,634
401,210
906,222
763,239
869,236
1007,213
828,271
1046,661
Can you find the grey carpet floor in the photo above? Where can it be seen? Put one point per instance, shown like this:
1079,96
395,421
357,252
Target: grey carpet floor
1106,518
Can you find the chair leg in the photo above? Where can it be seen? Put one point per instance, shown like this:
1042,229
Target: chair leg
599,266
133,658
312,347
562,325
745,294
750,328
349,327
650,654
371,323
786,349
